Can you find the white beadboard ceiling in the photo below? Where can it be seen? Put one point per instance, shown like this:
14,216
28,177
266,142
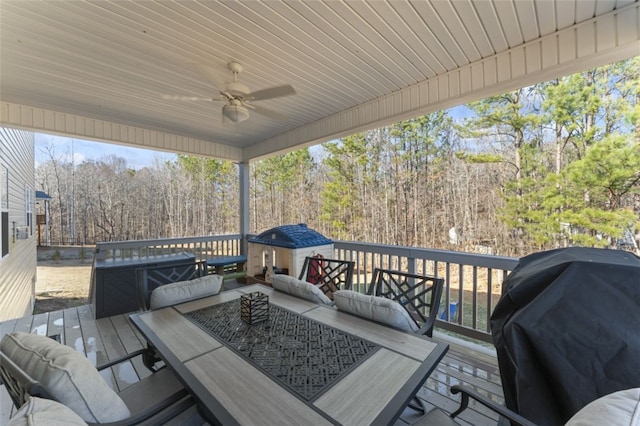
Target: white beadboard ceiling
99,69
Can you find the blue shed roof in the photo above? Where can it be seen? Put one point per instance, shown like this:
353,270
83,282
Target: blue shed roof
291,236
41,195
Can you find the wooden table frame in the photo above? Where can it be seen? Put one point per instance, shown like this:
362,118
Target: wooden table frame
230,390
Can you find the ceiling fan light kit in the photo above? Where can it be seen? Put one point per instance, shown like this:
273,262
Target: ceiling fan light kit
235,113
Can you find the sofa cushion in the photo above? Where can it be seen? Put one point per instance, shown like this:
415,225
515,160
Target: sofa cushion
67,375
299,288
44,412
184,291
620,408
376,308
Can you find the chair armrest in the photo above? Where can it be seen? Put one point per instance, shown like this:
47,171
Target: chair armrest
155,399
176,405
121,359
515,418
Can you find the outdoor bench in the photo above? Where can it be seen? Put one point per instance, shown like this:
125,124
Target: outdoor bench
231,267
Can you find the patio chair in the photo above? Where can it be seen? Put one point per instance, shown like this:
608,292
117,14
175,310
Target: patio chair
38,366
162,286
620,408
418,294
400,299
330,275
151,277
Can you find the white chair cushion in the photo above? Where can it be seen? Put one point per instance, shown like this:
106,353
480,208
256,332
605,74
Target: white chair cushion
375,308
299,288
67,375
184,291
620,408
44,412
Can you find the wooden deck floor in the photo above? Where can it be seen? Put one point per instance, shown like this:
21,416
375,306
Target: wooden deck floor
108,338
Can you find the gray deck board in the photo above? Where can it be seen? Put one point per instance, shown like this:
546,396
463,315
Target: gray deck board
55,324
104,339
72,331
130,342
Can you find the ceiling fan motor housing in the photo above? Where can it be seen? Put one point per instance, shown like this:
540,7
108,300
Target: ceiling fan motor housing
237,89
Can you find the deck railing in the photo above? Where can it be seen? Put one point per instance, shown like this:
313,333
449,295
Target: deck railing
201,247
473,282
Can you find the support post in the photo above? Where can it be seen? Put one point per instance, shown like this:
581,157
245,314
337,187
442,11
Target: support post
243,175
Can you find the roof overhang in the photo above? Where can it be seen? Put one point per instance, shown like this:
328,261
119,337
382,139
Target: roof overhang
101,70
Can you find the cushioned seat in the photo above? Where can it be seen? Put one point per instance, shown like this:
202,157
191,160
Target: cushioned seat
67,375
45,412
620,408
39,366
299,288
376,308
184,291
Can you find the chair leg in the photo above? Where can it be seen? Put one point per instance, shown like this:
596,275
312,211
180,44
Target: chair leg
416,404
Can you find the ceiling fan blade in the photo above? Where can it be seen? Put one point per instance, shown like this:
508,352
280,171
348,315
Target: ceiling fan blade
211,74
190,98
267,112
272,92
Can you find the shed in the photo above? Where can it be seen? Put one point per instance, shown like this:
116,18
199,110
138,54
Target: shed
284,248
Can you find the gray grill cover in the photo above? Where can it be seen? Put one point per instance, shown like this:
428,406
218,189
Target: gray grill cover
567,331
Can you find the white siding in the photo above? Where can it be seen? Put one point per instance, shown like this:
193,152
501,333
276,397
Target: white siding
18,267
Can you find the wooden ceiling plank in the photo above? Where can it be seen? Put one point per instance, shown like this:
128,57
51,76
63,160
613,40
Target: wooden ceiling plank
546,17
453,22
396,31
342,38
565,13
585,9
509,22
438,47
527,19
323,40
473,26
383,57
491,25
414,22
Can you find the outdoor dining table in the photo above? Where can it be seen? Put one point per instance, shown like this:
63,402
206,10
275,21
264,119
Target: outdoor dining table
305,364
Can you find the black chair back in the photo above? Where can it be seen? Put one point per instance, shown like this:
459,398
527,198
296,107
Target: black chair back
419,294
19,384
330,275
151,277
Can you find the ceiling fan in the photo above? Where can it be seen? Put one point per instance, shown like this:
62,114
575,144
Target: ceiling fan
239,99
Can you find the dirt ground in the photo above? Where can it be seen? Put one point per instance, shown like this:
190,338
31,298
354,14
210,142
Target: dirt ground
62,284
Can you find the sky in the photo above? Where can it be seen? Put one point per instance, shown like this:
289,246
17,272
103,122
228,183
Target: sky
62,148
